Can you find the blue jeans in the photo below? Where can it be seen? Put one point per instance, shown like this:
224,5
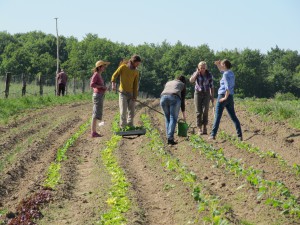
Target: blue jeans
170,104
229,105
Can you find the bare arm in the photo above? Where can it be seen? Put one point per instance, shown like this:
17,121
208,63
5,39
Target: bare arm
212,94
194,77
218,64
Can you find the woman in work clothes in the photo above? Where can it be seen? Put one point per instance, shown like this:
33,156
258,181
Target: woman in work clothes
204,92
225,99
172,99
99,88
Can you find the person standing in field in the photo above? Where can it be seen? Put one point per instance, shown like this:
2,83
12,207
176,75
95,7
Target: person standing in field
204,93
225,99
99,88
128,90
171,100
61,79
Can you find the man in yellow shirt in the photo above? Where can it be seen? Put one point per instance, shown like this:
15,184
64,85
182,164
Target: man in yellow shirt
129,78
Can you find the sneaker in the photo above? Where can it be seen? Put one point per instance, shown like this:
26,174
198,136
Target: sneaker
95,134
200,132
172,142
212,138
240,138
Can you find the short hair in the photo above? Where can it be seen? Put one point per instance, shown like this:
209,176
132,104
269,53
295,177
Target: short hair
202,63
227,63
136,58
181,78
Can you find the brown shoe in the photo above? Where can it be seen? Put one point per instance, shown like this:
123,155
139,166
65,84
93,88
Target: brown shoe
204,130
200,132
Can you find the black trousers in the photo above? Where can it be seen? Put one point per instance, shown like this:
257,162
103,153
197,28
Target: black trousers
61,89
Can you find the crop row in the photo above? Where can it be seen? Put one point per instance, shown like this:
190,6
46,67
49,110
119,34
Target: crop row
216,211
250,148
275,192
29,208
53,172
118,200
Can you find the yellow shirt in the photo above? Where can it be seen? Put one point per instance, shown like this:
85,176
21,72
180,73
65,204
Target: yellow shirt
128,79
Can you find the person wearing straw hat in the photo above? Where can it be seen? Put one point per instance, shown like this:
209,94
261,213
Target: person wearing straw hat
99,88
128,90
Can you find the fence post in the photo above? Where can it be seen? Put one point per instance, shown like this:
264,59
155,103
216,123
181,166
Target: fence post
7,83
83,85
74,85
24,84
41,83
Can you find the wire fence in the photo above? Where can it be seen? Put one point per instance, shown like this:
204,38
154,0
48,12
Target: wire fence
34,87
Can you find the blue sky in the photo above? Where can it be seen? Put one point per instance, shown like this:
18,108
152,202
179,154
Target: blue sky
221,24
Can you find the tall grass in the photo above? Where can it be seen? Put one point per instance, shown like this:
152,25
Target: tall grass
15,106
275,109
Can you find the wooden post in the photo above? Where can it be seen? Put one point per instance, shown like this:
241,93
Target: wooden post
74,85
7,83
41,83
57,57
24,84
83,85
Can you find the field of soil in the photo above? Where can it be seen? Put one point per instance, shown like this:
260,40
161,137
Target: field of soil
29,143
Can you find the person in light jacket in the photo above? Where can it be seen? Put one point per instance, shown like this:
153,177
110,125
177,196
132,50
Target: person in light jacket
225,99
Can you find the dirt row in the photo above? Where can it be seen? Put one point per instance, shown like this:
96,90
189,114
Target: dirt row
29,145
157,196
242,200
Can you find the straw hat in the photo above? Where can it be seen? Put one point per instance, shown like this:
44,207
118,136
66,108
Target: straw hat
101,63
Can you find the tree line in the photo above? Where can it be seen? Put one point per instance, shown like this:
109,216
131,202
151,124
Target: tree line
257,74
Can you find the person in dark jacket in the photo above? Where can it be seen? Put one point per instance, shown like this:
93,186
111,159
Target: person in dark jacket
172,99
61,79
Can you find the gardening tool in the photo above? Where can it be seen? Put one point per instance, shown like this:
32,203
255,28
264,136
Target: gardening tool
182,125
213,108
142,103
132,132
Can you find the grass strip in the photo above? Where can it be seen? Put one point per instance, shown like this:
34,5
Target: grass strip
12,107
274,109
118,200
217,212
275,192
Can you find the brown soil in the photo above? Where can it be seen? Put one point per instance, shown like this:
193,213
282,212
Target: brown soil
156,196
